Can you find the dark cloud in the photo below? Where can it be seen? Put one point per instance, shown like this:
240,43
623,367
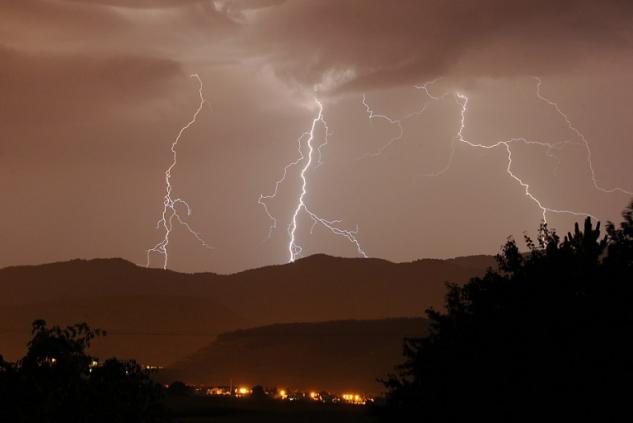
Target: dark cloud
141,4
388,43
93,27
93,93
237,8
73,13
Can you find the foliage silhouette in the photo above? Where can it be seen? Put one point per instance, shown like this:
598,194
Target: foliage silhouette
548,335
179,389
259,393
57,381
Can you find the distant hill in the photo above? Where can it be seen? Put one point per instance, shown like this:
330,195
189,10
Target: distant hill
160,316
337,356
154,329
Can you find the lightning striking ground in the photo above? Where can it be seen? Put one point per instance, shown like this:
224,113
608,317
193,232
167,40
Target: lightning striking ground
306,142
170,204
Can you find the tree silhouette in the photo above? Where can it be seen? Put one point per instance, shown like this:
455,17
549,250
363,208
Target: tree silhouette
179,389
549,335
57,381
259,393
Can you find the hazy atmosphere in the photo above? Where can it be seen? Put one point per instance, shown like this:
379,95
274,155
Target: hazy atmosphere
341,211
94,93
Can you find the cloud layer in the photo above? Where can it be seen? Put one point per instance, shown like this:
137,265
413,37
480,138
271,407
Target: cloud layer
385,43
94,92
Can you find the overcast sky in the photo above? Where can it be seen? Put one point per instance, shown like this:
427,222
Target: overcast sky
93,93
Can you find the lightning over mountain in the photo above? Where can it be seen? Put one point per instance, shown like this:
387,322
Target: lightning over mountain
170,204
307,150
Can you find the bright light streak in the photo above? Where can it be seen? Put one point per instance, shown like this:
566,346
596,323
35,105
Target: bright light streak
581,136
399,123
306,142
170,204
462,100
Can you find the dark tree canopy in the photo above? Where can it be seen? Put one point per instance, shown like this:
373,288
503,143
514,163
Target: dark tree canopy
259,393
57,381
549,335
179,389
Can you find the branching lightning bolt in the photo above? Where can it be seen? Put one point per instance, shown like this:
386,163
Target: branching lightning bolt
462,100
307,138
264,197
581,136
399,123
170,204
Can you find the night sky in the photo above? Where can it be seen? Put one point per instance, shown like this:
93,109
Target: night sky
94,92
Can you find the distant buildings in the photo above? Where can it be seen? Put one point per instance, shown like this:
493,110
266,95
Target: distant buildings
284,394
218,391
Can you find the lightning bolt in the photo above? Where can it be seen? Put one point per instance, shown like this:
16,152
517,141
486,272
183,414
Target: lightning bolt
170,212
399,123
462,100
580,136
306,142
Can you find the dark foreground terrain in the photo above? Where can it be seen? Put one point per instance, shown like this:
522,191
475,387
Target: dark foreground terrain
547,334
233,410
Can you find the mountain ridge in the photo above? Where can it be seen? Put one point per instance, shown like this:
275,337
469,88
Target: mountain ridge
317,256
122,297
339,356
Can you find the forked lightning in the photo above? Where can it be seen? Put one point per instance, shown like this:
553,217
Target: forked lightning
462,100
170,212
306,142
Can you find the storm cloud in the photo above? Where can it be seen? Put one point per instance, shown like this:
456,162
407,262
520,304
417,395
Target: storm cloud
94,92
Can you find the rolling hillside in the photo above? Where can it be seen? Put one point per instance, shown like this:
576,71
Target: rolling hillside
160,316
340,356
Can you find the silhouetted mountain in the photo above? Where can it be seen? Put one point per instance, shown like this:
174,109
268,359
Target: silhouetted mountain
159,316
338,356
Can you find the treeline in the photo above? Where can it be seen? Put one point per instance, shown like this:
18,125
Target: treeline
548,336
57,381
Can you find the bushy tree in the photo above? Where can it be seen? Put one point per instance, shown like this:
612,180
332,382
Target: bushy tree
179,389
259,393
57,381
549,334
